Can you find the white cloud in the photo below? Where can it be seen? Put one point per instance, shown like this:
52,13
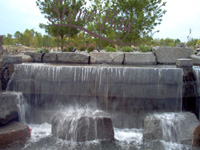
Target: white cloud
180,17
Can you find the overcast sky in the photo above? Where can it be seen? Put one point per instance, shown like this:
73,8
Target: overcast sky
18,15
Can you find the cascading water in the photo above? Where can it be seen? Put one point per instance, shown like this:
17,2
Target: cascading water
126,93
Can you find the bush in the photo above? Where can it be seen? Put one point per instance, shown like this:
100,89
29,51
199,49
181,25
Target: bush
127,49
43,50
82,48
144,48
90,48
69,48
110,49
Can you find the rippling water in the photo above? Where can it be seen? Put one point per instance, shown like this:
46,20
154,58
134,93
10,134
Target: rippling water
125,139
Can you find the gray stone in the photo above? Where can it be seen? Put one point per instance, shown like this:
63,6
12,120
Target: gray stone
71,57
171,127
196,59
37,57
8,106
82,125
50,57
30,54
106,57
139,58
26,58
169,55
184,63
12,59
12,133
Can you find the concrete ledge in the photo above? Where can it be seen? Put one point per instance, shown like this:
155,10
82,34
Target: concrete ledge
139,58
169,55
106,58
196,59
184,63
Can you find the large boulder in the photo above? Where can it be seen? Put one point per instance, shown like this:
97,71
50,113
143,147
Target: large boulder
12,133
106,58
169,55
71,57
171,127
9,106
81,126
139,58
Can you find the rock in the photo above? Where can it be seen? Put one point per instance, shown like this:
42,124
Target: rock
196,137
184,63
170,127
82,125
37,57
8,106
7,71
71,57
12,133
12,59
50,57
106,57
139,58
30,54
26,58
196,59
169,55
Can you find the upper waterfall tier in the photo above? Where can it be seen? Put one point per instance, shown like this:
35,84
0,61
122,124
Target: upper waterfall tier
134,87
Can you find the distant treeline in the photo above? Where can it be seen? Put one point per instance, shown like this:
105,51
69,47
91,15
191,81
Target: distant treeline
34,39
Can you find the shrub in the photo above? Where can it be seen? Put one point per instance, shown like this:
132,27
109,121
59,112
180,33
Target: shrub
127,49
90,48
144,48
69,48
82,48
45,50
110,49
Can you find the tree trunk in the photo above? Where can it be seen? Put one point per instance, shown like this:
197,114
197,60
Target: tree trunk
62,41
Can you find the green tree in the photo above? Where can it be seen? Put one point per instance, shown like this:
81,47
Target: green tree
146,14
8,39
18,37
28,37
47,8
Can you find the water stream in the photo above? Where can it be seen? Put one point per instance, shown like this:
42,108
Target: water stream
127,94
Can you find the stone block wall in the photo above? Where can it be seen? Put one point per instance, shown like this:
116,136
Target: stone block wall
159,55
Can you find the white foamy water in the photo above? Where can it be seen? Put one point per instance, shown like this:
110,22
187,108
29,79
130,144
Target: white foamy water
39,131
129,136
174,146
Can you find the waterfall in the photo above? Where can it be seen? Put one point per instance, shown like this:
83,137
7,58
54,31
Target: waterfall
115,89
196,71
